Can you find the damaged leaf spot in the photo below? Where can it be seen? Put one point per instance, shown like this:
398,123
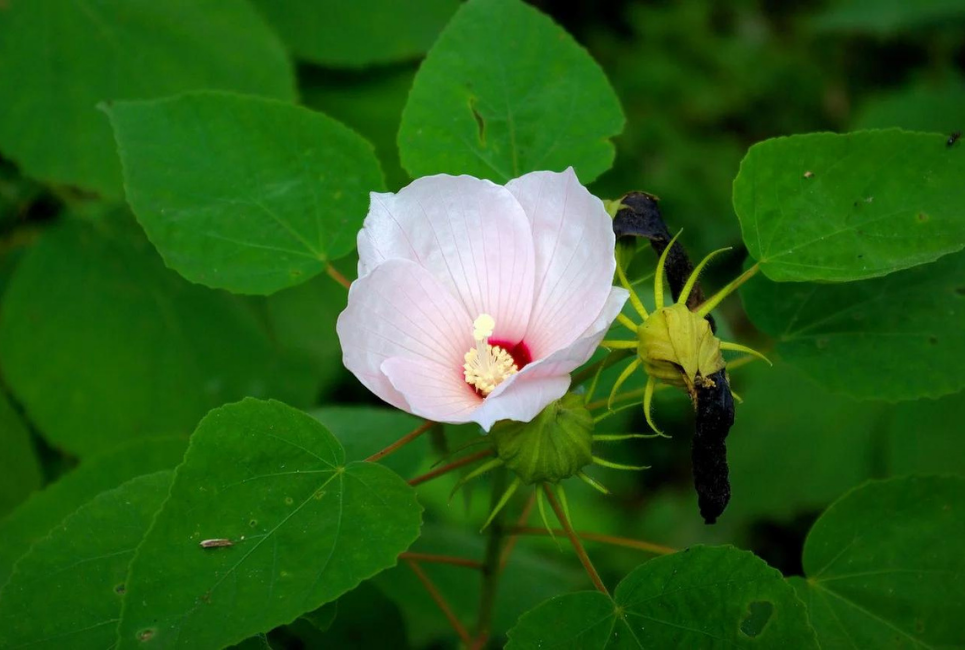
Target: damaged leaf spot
758,615
480,122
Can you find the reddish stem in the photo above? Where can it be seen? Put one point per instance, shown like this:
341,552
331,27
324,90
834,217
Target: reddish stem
445,469
575,541
401,442
442,559
440,601
336,275
613,540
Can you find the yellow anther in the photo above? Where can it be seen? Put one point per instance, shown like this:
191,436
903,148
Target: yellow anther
486,366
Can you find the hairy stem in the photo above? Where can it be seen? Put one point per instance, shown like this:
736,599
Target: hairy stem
336,275
613,540
401,442
441,559
445,469
575,541
440,602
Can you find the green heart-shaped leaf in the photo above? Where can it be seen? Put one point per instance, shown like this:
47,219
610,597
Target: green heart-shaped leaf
505,91
848,207
884,566
303,528
893,338
352,34
31,522
241,193
704,597
60,58
77,572
102,344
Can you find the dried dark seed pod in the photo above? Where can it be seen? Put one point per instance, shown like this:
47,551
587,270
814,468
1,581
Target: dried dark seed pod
715,416
639,216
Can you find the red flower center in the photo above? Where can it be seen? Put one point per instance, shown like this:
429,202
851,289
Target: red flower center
519,352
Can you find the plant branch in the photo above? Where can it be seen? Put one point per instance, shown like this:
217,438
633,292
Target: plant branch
401,442
514,536
491,565
445,469
336,275
440,601
442,559
575,541
613,540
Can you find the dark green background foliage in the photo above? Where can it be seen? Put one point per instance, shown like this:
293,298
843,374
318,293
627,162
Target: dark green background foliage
178,177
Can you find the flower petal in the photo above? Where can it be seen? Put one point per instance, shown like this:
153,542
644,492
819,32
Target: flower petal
432,390
522,401
525,394
471,234
400,310
574,242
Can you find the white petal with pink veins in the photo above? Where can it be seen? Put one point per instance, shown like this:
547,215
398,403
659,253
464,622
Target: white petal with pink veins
574,242
432,391
400,310
471,234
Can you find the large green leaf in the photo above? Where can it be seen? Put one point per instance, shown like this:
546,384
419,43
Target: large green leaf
361,32
19,469
893,338
38,515
364,430
241,193
849,207
102,344
505,91
704,597
306,527
884,566
60,58
924,437
795,446
66,591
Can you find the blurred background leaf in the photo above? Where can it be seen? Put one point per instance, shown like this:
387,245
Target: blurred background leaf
59,59
102,344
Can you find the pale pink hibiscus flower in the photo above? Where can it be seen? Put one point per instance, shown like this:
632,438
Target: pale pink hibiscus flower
475,301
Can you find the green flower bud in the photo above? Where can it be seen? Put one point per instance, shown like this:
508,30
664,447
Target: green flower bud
555,445
678,347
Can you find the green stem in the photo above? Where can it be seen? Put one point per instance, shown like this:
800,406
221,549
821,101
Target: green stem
491,566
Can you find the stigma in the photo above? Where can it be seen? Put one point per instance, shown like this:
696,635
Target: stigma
487,366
